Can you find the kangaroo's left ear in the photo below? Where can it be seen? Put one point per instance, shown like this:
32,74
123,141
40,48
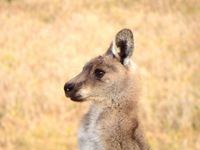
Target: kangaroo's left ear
122,46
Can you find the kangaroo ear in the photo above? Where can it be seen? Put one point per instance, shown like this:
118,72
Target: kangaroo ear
122,46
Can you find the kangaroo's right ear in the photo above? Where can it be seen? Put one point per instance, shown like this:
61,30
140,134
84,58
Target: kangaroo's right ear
122,46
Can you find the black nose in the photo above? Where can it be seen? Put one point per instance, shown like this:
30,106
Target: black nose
68,87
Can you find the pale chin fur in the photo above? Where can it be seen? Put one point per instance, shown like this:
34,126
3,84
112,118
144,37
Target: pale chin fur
84,93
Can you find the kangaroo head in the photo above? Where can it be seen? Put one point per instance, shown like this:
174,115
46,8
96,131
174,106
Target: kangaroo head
105,77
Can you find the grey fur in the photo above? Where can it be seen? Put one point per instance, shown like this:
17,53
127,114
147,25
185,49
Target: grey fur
112,121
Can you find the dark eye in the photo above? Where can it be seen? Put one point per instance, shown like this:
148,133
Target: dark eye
99,73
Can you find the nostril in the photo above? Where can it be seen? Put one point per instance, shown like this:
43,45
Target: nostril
69,87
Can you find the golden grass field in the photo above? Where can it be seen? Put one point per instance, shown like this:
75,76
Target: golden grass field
43,43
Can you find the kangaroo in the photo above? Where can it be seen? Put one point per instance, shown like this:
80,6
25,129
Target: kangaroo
110,83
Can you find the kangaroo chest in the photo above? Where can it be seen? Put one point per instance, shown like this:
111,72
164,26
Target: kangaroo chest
90,130
107,129
98,126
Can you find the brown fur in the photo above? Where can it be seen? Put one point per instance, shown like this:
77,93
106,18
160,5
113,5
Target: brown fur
112,122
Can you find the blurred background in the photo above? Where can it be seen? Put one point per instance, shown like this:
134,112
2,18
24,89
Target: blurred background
44,43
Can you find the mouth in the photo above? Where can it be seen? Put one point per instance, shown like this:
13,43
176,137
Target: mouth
77,98
74,97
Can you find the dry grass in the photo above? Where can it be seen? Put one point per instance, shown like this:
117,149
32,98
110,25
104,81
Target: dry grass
44,43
